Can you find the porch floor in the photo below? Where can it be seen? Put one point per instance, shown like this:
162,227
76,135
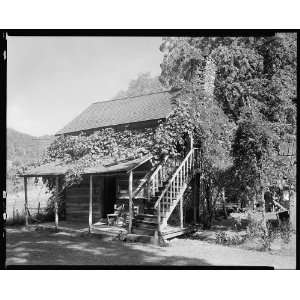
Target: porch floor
102,228
82,227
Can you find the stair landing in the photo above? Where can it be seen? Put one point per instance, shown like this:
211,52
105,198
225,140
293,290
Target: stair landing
170,232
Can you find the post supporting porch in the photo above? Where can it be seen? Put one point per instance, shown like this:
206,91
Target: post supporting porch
56,199
130,201
26,201
195,199
91,204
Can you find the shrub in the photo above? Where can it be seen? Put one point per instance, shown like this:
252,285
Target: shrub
264,233
50,212
285,231
223,238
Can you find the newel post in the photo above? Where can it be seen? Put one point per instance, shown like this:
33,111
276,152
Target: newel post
130,201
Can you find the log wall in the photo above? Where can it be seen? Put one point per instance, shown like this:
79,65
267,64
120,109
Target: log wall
77,200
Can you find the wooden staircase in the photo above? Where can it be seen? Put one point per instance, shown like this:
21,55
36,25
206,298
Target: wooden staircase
165,188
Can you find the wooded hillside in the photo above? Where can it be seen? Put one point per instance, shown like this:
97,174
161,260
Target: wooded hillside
24,148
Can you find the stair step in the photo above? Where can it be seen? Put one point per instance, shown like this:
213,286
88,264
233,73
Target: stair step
145,215
146,219
143,231
153,222
142,225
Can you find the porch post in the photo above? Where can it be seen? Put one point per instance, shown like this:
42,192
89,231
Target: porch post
26,201
56,201
91,203
130,201
195,194
181,212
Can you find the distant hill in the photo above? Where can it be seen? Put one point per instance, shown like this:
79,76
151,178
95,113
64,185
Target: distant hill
25,148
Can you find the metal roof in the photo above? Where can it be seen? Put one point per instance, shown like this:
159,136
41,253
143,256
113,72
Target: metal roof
59,168
141,108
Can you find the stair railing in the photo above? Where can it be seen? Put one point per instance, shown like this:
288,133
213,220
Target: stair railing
175,186
156,179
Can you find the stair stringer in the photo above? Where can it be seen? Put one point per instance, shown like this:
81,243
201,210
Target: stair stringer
175,202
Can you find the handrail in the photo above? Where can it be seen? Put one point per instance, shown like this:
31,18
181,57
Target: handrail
139,187
155,171
154,179
174,175
147,180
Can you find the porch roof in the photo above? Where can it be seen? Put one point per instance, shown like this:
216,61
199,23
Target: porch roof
59,168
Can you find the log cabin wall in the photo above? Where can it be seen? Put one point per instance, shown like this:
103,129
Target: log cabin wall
122,187
77,200
77,196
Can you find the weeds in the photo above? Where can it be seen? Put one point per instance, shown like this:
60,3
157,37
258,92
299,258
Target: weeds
223,238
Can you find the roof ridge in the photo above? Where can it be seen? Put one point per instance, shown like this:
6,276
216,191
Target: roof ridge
130,97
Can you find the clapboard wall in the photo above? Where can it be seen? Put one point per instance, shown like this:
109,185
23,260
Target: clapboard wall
77,200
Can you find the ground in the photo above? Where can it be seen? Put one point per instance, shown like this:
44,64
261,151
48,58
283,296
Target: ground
27,247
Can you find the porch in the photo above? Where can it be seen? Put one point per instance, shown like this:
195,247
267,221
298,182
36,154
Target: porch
135,194
90,203
99,228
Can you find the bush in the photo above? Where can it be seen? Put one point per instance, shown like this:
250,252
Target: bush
223,238
50,212
285,230
264,233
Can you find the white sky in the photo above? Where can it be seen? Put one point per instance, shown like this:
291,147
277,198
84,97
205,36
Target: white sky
50,80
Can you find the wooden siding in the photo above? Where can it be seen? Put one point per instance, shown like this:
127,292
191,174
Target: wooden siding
123,181
77,200
77,196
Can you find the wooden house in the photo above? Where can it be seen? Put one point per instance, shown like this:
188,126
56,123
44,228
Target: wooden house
148,192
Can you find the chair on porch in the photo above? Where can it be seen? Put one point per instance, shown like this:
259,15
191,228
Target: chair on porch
112,219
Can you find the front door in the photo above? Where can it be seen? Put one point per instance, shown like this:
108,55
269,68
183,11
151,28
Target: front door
109,194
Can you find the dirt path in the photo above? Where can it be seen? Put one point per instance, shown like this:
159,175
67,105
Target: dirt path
45,248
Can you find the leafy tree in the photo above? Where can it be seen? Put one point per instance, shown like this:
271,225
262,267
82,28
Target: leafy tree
143,84
253,81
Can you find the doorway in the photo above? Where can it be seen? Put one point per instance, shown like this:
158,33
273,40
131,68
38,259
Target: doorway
109,194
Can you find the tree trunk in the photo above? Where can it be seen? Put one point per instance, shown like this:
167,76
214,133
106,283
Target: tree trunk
263,206
224,203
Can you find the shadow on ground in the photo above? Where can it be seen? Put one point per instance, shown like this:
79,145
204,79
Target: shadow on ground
46,248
